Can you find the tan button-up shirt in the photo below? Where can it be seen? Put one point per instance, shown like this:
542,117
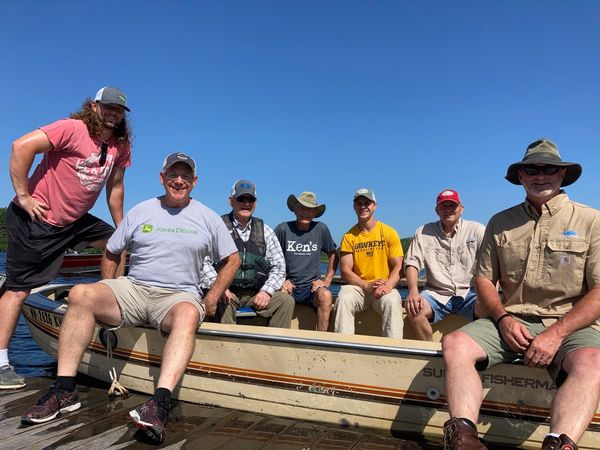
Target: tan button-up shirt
545,263
447,260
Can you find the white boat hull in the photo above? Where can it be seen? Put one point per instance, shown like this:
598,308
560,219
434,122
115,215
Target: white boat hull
350,380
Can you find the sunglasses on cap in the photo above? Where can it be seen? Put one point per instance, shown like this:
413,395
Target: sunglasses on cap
245,199
103,152
535,170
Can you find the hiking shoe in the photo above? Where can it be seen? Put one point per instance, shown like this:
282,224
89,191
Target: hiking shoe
50,405
9,378
563,442
461,434
151,418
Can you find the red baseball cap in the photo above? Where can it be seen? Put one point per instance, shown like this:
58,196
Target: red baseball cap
448,195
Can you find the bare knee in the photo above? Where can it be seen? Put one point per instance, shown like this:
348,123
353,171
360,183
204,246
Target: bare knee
16,296
324,299
420,317
80,294
583,363
459,346
183,316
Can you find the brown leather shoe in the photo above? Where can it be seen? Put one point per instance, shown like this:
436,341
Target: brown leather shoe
461,434
563,442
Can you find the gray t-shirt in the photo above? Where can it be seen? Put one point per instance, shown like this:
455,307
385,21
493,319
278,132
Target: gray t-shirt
302,250
168,245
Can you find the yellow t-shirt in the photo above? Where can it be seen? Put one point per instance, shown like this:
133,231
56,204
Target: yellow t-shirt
372,250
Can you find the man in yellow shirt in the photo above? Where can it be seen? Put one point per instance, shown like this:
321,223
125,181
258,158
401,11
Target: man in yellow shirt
371,260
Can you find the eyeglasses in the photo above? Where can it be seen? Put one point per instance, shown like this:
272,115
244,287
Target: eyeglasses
246,199
535,170
173,176
103,152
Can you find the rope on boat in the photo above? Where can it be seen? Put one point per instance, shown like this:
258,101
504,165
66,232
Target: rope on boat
116,389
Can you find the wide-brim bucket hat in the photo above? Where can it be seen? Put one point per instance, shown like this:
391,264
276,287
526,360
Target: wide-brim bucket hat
544,151
308,199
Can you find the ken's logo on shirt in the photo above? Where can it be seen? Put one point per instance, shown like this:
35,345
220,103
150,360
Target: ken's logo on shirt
147,228
299,248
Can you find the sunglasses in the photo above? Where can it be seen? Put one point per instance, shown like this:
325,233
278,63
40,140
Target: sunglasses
246,199
173,176
103,152
535,170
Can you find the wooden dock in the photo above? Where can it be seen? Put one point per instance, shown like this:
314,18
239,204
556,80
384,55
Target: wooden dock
102,423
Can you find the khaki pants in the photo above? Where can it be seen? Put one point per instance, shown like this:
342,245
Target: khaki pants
352,300
279,310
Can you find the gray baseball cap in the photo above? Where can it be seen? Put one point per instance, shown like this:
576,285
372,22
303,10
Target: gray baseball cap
179,157
109,95
367,193
242,187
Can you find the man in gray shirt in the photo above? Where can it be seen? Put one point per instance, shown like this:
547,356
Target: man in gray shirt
302,241
446,250
168,237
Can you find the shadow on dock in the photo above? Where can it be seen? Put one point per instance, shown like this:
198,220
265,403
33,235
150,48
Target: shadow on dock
102,423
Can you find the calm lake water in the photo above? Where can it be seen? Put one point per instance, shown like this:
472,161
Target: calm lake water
24,354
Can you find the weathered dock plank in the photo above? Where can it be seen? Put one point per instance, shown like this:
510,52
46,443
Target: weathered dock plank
102,423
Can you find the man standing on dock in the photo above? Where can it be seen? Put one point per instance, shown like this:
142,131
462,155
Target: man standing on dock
260,277
49,212
302,241
168,238
371,261
446,250
545,254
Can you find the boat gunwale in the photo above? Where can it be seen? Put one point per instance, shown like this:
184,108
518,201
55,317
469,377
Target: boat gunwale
38,300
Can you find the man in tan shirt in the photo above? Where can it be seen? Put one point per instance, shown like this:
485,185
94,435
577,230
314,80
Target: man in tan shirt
446,250
545,254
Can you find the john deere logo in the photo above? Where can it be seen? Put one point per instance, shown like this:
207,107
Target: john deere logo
147,228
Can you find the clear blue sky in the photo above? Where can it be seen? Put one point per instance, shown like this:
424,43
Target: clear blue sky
404,97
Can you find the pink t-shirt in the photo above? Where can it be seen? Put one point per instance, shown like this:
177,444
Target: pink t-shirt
69,177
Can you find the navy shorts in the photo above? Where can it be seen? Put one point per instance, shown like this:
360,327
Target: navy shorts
303,294
35,249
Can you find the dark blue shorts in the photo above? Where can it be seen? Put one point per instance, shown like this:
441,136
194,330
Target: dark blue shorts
303,295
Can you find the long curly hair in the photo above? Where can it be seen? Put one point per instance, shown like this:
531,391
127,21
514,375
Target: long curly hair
122,132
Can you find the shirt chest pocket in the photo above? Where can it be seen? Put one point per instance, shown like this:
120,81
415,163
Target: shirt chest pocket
439,257
564,261
513,260
466,254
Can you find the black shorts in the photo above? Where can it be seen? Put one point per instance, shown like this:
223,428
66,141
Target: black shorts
35,249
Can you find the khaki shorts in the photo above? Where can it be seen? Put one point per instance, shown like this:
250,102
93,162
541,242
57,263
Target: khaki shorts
141,304
485,333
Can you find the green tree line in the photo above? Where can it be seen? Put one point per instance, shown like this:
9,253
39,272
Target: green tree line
405,241
405,244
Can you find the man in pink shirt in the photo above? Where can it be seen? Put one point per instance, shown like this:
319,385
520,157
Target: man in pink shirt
49,212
